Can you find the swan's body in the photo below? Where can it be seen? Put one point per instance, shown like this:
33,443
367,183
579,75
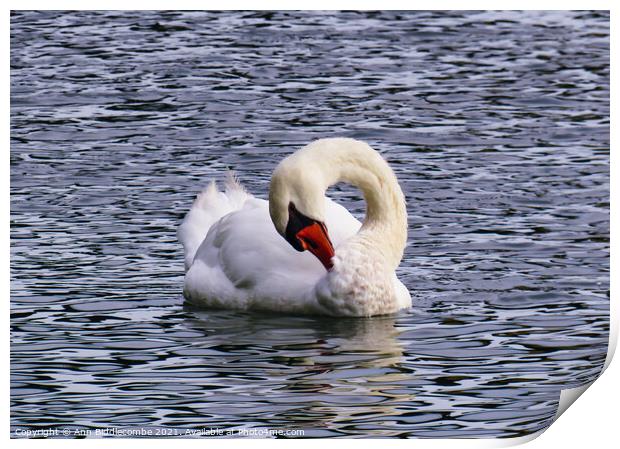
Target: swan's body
236,258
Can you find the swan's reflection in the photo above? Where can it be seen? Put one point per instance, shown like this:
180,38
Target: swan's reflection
307,372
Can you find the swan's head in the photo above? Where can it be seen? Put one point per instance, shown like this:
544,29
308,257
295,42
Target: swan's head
297,208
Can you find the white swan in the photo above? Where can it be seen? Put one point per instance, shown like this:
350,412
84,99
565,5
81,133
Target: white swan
236,258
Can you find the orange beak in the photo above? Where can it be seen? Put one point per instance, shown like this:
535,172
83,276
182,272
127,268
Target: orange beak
315,239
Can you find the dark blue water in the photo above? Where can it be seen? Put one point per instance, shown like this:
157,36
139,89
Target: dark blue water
497,124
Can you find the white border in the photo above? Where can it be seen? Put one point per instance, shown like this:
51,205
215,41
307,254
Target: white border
592,421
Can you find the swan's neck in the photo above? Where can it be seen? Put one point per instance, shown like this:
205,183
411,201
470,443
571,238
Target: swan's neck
385,225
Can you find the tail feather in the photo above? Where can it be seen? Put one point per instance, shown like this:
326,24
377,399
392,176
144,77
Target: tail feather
209,206
206,196
235,192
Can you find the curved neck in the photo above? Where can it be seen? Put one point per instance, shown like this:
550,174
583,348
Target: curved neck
354,162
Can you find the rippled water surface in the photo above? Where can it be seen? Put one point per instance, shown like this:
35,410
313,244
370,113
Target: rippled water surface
497,125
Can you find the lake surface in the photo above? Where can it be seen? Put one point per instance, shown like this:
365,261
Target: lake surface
496,123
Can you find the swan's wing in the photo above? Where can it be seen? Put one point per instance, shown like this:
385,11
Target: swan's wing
341,225
244,263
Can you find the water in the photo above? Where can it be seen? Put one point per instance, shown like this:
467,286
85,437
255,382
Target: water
497,124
